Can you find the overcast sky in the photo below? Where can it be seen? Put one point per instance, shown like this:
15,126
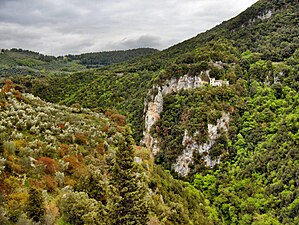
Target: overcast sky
59,27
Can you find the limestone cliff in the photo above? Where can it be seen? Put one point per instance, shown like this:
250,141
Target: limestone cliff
153,107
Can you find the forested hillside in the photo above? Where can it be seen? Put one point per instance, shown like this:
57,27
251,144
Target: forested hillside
61,165
219,111
19,62
267,27
97,59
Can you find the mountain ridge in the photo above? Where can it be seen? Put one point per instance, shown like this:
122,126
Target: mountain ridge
251,16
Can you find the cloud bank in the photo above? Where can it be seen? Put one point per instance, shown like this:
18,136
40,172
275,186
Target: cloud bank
59,27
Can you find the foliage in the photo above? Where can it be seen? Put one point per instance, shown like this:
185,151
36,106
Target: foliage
175,201
128,205
260,185
36,208
77,208
192,111
61,165
97,59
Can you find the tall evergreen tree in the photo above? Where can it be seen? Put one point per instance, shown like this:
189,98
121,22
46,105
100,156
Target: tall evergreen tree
128,186
36,207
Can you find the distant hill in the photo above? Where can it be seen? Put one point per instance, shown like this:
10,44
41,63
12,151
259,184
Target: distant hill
19,62
97,59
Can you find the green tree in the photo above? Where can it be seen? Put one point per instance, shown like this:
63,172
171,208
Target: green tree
36,207
77,208
128,204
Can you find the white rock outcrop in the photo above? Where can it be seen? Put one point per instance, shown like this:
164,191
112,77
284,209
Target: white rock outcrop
186,158
266,15
154,106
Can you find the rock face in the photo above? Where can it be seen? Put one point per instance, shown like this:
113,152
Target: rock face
266,15
182,164
154,105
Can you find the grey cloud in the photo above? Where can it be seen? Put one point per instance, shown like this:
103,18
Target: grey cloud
36,12
142,41
50,41
74,26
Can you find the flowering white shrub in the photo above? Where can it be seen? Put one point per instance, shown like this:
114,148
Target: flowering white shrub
2,128
59,176
2,164
35,130
16,135
63,165
58,149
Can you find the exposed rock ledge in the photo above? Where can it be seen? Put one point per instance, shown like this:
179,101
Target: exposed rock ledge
182,164
154,105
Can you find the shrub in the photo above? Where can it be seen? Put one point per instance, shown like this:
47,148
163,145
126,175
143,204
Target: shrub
8,86
64,149
74,162
50,183
16,203
50,165
59,176
12,165
3,216
100,148
81,139
119,119
36,208
10,147
2,164
51,214
18,95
